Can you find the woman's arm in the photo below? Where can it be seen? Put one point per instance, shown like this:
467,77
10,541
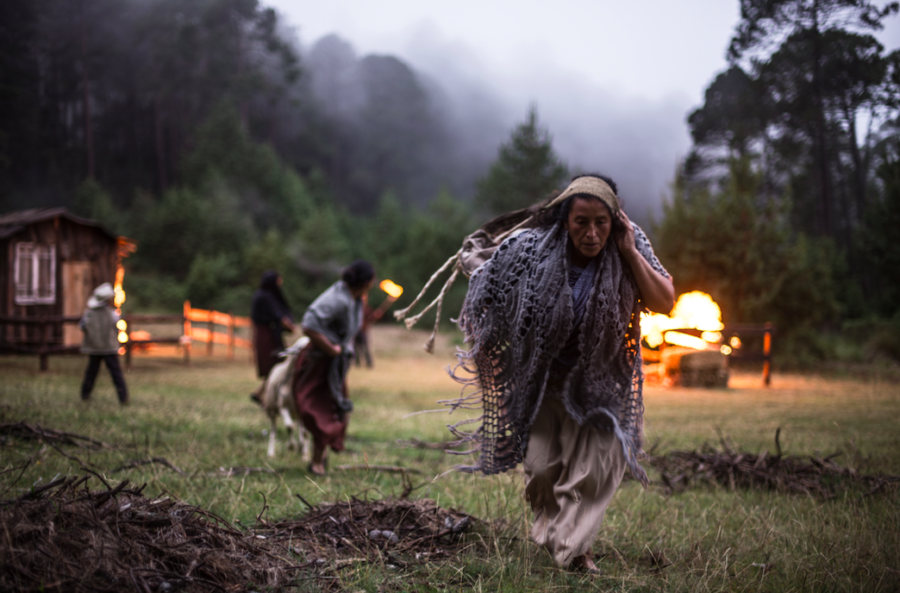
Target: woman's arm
657,291
323,343
288,324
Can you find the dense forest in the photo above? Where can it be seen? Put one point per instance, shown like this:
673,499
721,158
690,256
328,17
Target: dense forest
200,129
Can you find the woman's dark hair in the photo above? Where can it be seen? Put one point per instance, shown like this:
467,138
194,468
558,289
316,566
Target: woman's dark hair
269,304
269,280
559,214
358,274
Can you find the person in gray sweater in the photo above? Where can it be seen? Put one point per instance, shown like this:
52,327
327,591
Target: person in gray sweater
100,341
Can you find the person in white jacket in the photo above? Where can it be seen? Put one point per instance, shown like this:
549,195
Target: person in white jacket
101,342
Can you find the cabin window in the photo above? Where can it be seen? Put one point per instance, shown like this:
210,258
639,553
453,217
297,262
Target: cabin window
35,274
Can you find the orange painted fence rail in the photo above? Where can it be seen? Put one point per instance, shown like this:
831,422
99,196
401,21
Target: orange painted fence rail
191,334
208,335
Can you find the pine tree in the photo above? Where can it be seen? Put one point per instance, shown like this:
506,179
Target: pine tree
526,170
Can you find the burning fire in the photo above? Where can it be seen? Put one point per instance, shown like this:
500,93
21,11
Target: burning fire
124,248
393,290
119,299
693,310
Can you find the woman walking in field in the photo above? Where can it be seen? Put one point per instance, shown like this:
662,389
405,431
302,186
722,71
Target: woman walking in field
320,388
271,317
553,319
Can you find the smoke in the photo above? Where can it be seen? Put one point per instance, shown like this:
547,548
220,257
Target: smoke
636,141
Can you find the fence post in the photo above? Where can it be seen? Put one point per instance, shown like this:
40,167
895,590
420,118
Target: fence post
230,354
186,338
767,352
210,328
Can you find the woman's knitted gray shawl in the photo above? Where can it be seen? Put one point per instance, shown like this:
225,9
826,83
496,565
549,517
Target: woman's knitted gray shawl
518,316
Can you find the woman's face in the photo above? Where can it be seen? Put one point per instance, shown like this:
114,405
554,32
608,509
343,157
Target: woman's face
589,225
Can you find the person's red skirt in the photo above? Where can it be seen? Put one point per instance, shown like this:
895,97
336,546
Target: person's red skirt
316,407
266,344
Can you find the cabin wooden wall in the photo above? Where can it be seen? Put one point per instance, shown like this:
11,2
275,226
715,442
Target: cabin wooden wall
89,250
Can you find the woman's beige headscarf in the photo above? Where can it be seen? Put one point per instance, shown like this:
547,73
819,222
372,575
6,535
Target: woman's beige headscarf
591,186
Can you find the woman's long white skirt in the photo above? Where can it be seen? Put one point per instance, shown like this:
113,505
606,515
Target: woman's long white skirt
571,475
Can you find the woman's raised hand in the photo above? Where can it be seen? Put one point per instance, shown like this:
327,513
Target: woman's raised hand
625,239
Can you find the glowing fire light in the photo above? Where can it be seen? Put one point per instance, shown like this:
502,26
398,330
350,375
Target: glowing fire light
686,340
694,310
120,292
124,248
393,290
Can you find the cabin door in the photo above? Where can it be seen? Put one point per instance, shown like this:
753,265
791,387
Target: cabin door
77,288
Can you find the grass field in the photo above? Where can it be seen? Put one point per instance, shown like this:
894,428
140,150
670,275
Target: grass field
707,538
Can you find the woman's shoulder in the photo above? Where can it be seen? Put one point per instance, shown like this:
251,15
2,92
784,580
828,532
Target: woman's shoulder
645,248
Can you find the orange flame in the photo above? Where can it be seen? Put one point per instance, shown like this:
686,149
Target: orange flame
125,247
693,310
393,290
119,299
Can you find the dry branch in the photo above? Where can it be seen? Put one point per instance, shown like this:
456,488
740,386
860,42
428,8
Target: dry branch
138,462
419,444
396,469
228,472
25,431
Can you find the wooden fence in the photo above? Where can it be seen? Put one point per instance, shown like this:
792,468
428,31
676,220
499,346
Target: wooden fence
43,346
197,325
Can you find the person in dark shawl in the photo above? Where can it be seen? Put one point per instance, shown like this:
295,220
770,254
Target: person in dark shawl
320,387
553,322
271,317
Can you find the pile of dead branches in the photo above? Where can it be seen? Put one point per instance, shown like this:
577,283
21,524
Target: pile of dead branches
370,529
65,537
812,475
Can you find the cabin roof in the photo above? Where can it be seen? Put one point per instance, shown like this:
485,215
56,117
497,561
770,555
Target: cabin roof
13,222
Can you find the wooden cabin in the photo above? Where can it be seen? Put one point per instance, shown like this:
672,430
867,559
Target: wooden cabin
51,262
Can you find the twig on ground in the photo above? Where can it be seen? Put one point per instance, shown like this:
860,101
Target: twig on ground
418,444
379,468
228,472
138,462
23,430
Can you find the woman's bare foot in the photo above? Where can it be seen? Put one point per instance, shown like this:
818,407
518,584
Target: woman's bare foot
584,561
319,465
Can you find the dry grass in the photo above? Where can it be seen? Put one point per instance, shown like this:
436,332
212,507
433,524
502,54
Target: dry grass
199,419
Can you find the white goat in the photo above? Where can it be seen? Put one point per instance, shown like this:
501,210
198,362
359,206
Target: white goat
278,398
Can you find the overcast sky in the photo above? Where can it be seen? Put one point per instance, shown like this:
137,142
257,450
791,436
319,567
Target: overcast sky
613,81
